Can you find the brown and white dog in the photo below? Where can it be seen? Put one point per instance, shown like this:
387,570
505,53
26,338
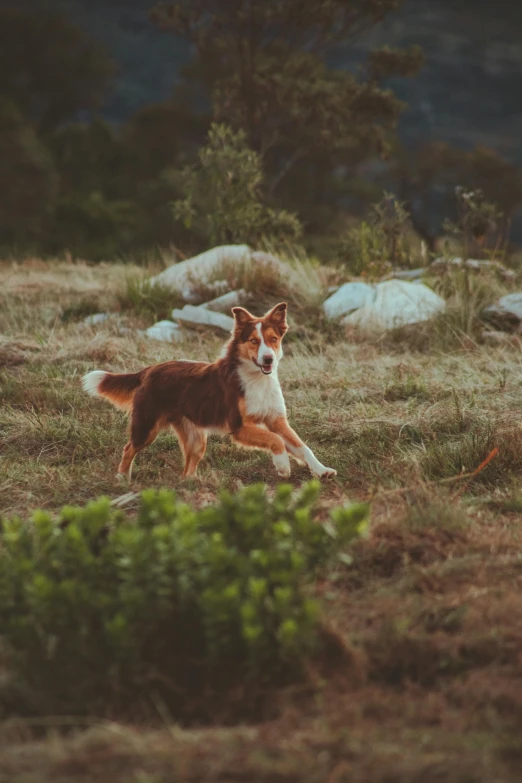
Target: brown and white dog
238,395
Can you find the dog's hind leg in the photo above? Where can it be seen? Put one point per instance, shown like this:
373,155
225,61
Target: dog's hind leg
144,431
193,442
131,449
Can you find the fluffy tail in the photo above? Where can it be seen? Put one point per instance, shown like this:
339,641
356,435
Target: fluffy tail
118,388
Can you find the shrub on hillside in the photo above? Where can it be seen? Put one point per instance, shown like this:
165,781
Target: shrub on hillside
223,195
374,247
99,613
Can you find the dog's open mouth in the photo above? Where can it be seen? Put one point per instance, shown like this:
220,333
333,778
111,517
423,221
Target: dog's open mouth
266,369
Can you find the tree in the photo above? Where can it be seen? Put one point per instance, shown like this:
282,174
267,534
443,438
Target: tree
265,69
95,216
29,180
223,201
90,157
49,68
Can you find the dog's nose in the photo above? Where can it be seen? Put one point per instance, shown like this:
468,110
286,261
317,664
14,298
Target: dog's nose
268,359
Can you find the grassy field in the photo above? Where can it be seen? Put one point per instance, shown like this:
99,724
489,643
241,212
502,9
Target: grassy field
430,610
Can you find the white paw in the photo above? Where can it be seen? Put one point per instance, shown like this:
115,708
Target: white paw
326,473
282,465
123,478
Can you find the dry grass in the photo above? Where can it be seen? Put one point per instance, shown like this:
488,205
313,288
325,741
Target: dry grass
431,608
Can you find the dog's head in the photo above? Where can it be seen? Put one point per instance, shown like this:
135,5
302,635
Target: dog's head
259,340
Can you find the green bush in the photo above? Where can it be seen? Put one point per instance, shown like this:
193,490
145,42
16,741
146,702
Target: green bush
151,300
99,612
223,195
375,247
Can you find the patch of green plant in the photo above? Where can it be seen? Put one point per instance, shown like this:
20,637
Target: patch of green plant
147,299
100,612
477,219
224,198
374,247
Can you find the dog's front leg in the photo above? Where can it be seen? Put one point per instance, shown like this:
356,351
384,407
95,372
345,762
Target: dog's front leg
254,437
295,446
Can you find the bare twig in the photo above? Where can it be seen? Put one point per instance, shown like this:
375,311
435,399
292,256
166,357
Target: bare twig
481,467
451,480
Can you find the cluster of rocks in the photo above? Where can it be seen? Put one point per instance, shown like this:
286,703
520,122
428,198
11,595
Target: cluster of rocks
402,299
195,279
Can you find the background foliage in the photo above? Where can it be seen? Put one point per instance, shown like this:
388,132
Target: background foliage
298,136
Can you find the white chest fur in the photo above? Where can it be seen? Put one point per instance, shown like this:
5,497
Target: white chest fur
263,395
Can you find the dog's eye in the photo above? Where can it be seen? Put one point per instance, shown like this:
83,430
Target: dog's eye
254,342
273,339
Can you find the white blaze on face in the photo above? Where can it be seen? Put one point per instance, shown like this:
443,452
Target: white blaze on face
264,350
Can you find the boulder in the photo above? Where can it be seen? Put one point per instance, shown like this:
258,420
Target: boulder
347,298
166,331
397,303
200,316
188,276
201,268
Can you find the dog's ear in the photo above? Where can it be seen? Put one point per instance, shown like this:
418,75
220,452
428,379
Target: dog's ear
277,316
241,317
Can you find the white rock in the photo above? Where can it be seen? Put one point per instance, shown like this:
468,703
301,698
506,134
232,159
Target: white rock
200,316
347,298
96,318
201,268
223,304
397,303
166,331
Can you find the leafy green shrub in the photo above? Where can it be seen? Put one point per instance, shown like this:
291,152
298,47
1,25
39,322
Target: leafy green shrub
99,612
223,199
477,219
374,247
